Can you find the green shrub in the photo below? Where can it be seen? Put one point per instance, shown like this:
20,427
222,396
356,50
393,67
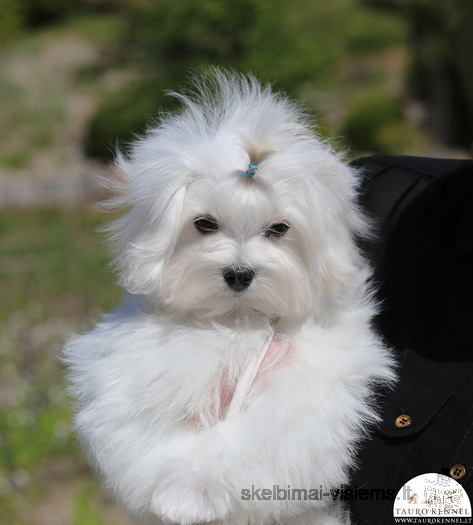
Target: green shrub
399,138
40,12
367,116
289,45
119,120
11,21
375,123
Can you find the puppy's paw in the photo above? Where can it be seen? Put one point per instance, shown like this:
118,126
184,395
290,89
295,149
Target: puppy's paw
188,498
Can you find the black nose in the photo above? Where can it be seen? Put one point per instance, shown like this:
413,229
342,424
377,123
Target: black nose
238,278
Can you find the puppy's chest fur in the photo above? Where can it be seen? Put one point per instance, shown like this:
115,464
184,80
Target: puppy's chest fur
214,367
180,375
241,378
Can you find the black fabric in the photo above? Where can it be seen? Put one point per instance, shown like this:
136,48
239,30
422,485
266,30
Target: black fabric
423,260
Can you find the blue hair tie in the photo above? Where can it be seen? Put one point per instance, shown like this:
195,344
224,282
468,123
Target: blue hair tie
251,170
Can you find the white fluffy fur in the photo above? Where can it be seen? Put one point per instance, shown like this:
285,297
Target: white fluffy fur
148,379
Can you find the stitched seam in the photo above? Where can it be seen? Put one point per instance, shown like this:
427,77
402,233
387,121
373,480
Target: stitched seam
463,440
469,404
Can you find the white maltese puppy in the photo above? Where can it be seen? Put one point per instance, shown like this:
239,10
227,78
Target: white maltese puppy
236,381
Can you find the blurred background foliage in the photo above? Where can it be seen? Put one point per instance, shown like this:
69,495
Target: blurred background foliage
297,49
78,77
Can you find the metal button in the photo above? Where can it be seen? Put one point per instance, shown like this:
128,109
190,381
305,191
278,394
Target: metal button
457,471
403,421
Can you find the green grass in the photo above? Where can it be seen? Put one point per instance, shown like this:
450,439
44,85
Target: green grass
53,275
86,508
55,260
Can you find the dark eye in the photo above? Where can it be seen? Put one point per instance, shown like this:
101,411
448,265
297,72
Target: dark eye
206,225
276,230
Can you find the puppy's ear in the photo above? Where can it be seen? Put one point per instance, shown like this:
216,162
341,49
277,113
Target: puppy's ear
337,263
145,235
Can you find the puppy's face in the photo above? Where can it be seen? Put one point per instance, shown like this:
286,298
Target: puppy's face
239,252
204,241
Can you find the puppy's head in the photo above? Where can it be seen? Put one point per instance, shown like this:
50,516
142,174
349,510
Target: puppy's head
203,239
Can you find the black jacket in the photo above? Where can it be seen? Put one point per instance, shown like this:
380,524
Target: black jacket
423,260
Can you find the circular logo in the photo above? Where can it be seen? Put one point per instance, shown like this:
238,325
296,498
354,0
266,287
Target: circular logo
432,498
